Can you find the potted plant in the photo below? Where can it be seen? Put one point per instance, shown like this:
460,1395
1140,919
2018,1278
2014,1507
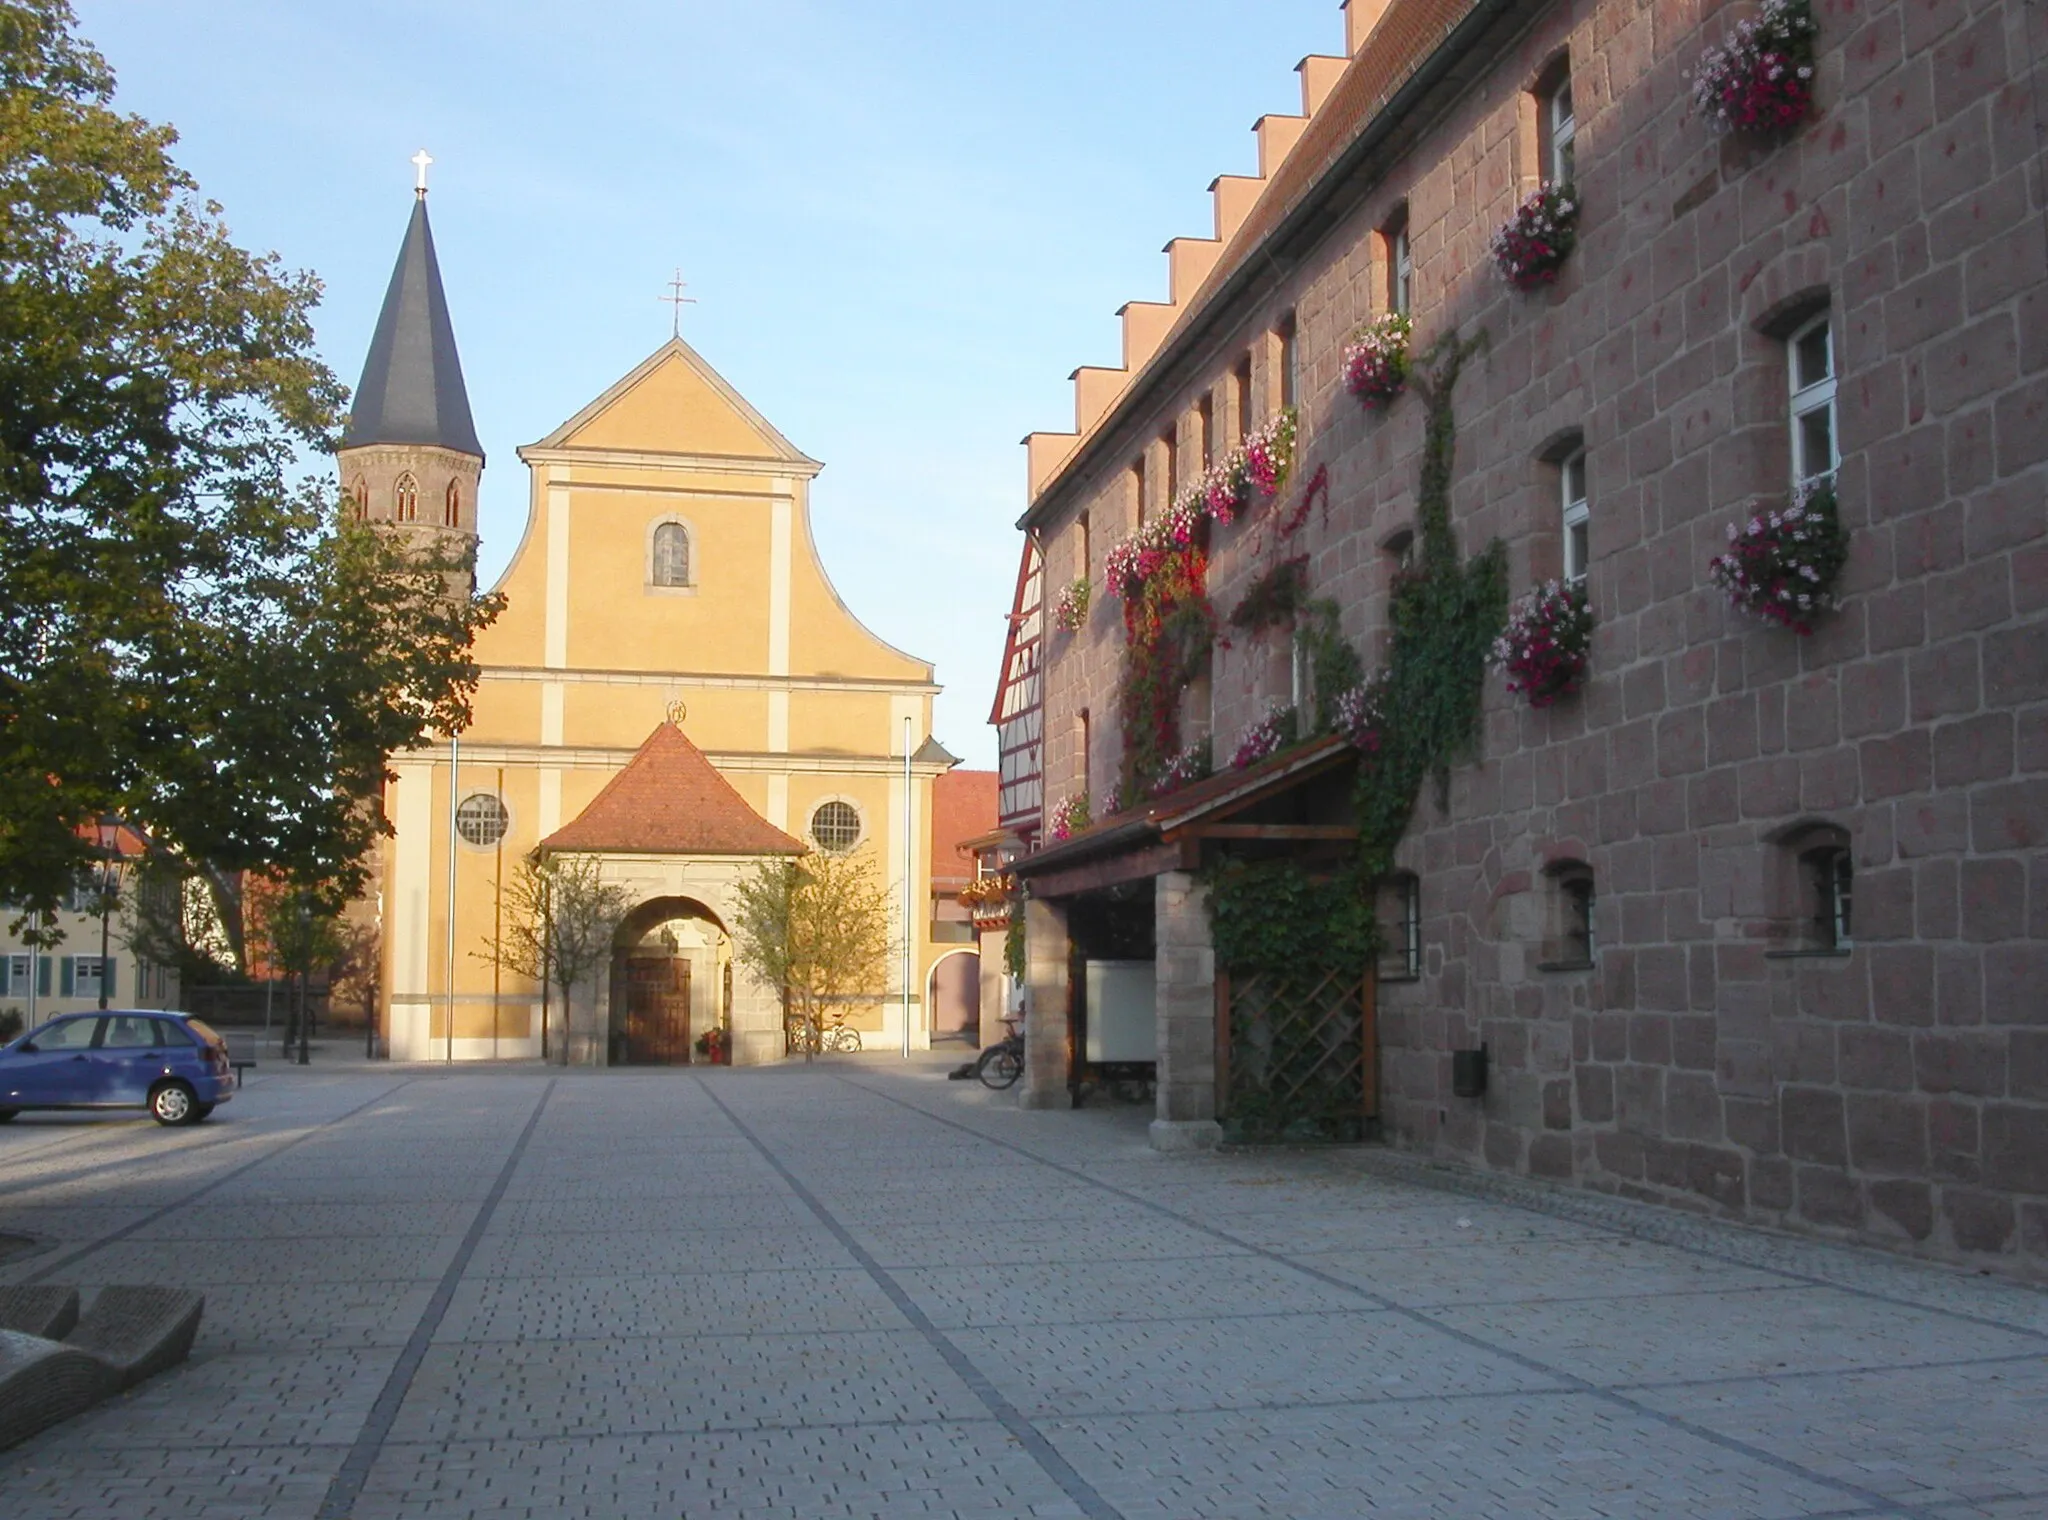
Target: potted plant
1545,646
1376,360
1532,245
1069,817
1760,81
1782,565
1070,610
1267,737
713,1046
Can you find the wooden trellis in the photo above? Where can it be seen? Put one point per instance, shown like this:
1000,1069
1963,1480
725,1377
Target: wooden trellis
1297,1057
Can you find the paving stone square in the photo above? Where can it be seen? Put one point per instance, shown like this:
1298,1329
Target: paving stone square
859,1290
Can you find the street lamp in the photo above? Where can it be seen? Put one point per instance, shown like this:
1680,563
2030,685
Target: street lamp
109,882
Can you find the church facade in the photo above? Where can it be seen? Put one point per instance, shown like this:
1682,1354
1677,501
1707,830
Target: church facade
673,690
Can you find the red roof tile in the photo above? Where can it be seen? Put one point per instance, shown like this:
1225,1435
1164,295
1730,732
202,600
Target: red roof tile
669,800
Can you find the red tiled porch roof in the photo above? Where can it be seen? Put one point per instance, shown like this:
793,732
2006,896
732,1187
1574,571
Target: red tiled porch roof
670,800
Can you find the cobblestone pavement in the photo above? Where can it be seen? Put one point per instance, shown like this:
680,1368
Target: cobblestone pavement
859,1290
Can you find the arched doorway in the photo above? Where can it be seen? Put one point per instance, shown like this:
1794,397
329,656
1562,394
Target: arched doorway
953,994
671,983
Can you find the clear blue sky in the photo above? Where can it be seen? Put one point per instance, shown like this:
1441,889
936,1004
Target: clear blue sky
905,222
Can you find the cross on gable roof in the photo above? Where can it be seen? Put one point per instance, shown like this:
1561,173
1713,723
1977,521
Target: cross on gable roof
670,800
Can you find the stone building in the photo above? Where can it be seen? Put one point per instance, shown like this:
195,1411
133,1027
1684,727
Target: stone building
667,581
1752,921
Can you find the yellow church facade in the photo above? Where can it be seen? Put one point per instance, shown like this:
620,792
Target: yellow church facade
667,601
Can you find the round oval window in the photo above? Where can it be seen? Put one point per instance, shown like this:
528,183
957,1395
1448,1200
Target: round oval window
836,826
481,819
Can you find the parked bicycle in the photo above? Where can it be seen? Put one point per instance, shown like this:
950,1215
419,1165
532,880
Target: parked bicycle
1002,1063
801,1037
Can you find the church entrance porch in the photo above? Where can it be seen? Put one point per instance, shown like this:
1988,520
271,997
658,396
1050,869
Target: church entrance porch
670,979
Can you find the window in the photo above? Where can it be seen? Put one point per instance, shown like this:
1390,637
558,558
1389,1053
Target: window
1560,127
482,819
1830,883
1400,916
1571,478
1399,546
68,1034
1810,355
1400,265
1138,490
1205,428
1084,564
454,505
669,556
1570,945
14,974
83,974
405,499
1241,383
1169,449
1290,360
835,827
125,1032
359,499
1081,735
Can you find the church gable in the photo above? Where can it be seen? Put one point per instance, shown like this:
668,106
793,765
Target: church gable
675,403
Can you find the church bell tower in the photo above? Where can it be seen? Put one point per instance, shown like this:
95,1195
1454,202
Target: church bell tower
409,454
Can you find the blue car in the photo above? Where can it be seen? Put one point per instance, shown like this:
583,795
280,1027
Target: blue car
168,1063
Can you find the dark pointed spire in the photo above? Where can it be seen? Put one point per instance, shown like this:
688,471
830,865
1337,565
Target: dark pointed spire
412,389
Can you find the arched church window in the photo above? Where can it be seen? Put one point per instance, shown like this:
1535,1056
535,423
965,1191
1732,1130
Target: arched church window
481,819
454,517
406,499
359,498
671,555
836,827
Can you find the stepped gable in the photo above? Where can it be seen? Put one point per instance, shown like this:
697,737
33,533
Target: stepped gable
412,391
670,800
1339,96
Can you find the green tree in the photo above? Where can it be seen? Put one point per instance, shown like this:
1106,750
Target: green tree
818,929
560,917
191,634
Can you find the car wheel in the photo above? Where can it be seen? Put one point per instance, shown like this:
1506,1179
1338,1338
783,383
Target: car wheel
172,1103
7,1114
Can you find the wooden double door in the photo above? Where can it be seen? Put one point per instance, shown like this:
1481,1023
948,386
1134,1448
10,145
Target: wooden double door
657,1011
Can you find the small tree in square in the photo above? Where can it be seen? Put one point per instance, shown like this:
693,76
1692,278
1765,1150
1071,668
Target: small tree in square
560,915
818,929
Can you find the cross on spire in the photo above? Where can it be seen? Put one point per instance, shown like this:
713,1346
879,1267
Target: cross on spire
420,160
677,301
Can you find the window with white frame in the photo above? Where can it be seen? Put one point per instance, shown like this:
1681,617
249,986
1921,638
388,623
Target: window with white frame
1810,355
1571,478
669,555
84,975
1561,128
1830,881
1290,361
1400,916
835,826
1400,266
482,819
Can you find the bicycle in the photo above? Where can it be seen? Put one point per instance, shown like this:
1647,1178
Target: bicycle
1002,1063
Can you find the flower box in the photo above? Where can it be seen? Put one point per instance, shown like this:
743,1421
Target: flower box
1256,469
1070,610
1782,565
1186,768
1532,245
1759,82
1376,361
1546,644
1069,816
1267,737
1360,716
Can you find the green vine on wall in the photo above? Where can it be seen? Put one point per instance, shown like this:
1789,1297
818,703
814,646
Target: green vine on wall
1443,616
1169,629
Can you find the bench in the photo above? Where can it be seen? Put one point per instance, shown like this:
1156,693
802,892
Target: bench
127,1334
241,1057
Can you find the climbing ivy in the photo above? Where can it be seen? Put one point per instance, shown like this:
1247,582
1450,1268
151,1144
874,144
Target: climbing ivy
1169,628
1443,616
